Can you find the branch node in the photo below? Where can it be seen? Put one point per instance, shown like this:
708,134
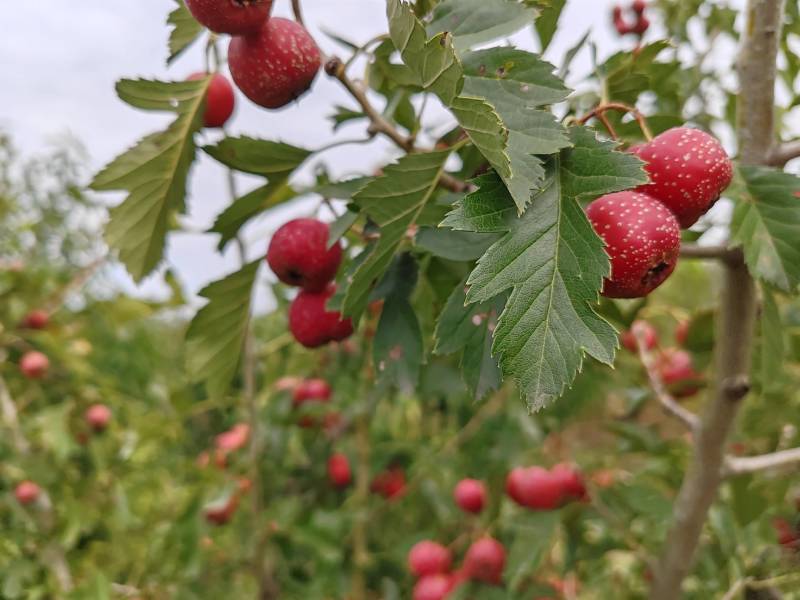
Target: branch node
736,388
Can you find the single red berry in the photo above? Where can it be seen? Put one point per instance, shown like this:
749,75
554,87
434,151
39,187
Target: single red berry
233,439
220,99
312,324
339,470
231,16
390,484
298,254
27,492
622,27
514,485
688,171
677,372
570,480
34,365
638,6
221,512
428,558
433,587
642,238
616,12
534,488
470,495
36,319
641,26
682,332
640,328
275,65
788,537
312,390
98,417
485,561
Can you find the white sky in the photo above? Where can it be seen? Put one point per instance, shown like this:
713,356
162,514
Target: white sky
59,61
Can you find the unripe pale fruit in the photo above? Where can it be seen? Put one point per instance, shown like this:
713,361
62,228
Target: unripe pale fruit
276,64
485,561
36,319
98,417
677,372
433,587
643,329
298,254
470,495
428,558
34,365
642,239
390,484
312,324
27,492
312,390
339,470
220,100
231,16
688,168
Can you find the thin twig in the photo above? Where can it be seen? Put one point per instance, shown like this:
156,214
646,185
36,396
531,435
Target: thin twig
736,588
735,465
783,153
298,12
722,253
600,110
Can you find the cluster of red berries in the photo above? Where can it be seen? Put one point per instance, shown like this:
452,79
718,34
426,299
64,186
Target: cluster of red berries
537,488
299,255
688,170
34,364
314,392
639,25
675,365
225,444
272,60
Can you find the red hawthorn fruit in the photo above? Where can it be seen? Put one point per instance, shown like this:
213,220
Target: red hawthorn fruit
688,171
314,326
98,417
470,495
433,587
641,26
233,439
220,100
27,492
534,488
638,6
428,558
677,372
570,480
235,17
311,390
275,65
682,332
220,513
514,485
36,319
34,365
485,560
332,423
390,484
339,470
788,537
643,328
642,239
299,256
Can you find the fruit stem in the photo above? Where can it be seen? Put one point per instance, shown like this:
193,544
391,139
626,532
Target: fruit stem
600,110
298,12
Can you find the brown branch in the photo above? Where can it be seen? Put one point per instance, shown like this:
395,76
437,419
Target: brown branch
722,253
783,153
736,322
298,12
735,465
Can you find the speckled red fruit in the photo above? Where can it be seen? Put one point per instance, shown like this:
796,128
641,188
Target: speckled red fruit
231,16
275,65
390,484
26,492
220,100
485,561
470,495
428,558
36,319
642,238
643,328
339,470
677,372
98,416
688,171
34,365
433,587
311,390
570,480
298,254
314,326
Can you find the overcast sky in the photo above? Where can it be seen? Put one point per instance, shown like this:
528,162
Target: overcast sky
60,61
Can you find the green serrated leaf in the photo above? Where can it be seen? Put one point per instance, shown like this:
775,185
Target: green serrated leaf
153,172
772,345
488,209
397,347
473,22
341,226
547,23
554,263
215,336
393,202
454,245
766,222
486,130
185,30
258,157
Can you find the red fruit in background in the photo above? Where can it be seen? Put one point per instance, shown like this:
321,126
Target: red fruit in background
470,495
534,488
485,561
27,492
677,372
34,365
275,65
638,6
339,470
298,254
788,537
644,329
314,326
514,485
433,587
36,319
220,100
311,390
570,480
641,26
688,171
682,332
233,439
642,239
390,484
428,558
221,512
230,16
98,416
